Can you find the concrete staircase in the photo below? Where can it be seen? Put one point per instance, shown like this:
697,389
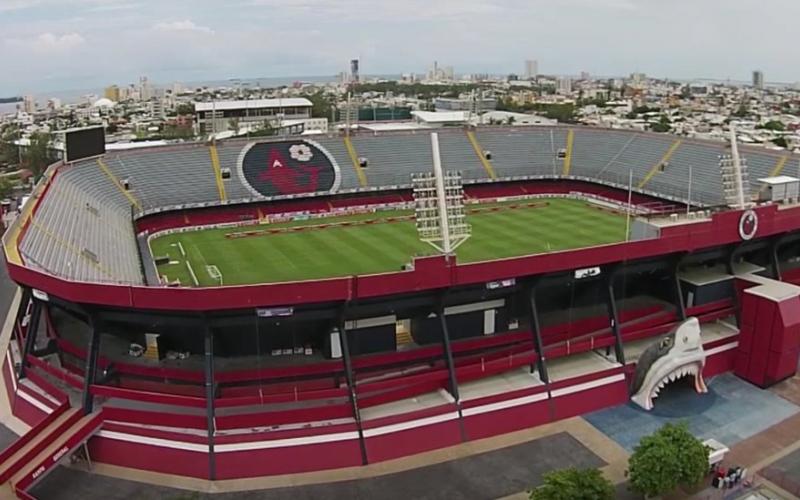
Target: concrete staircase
403,339
38,451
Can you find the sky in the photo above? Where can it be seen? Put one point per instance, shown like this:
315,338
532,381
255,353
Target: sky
52,45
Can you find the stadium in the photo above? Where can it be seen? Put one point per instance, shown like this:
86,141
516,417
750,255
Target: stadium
248,308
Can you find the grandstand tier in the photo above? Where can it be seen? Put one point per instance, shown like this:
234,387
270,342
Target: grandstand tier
140,182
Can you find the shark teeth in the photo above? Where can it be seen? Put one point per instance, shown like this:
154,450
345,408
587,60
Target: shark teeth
679,373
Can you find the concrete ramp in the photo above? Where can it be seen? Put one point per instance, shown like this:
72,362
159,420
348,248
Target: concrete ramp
38,451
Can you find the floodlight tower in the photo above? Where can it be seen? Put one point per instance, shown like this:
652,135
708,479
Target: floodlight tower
439,205
734,175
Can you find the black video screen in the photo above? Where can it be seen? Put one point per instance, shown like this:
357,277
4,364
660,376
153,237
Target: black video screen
85,143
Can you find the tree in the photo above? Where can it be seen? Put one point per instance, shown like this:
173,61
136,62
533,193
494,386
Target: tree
6,187
742,111
419,90
663,125
574,484
185,108
9,152
670,457
175,132
233,124
775,125
780,141
38,154
320,105
265,130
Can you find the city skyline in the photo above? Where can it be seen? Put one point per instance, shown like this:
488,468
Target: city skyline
50,46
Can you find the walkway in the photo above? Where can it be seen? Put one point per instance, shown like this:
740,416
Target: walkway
491,468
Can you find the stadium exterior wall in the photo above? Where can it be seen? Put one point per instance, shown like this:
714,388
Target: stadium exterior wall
125,441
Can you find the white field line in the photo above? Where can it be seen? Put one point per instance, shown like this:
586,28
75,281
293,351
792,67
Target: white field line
191,271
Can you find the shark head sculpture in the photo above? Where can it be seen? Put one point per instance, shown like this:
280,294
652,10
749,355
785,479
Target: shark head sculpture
674,356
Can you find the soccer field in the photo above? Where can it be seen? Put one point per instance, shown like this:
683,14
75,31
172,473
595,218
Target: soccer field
381,246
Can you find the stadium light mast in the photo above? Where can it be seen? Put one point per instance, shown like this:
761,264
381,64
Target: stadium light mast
737,169
439,205
441,198
630,206
734,175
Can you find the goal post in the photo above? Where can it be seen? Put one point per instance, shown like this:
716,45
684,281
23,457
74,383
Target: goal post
214,273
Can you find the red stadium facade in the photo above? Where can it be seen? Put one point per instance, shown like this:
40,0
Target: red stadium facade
495,346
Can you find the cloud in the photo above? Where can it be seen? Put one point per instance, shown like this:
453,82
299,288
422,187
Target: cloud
185,26
198,40
18,5
387,11
48,43
113,7
11,5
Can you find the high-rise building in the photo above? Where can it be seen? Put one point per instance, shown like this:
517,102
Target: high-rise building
354,73
758,79
145,91
54,104
585,75
433,72
28,104
564,85
157,108
531,69
112,92
638,79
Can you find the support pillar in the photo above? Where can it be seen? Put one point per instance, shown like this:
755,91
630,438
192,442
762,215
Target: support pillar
776,263
351,388
210,394
729,268
30,336
612,313
536,332
451,370
448,354
90,371
680,306
730,259
25,300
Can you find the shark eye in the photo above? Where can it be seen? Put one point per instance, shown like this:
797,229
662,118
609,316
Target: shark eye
685,339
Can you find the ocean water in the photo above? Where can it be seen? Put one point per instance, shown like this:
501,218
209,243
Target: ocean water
8,107
77,95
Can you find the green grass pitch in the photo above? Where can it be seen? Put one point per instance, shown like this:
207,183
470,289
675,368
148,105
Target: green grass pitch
381,247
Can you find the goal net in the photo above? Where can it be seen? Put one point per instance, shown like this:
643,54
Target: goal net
214,273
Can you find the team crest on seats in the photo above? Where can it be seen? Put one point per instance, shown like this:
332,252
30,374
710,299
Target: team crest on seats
288,167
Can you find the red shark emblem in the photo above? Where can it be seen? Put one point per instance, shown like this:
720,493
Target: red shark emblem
289,179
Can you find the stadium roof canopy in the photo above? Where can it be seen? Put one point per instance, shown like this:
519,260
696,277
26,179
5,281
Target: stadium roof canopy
519,118
441,116
780,179
394,126
252,104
